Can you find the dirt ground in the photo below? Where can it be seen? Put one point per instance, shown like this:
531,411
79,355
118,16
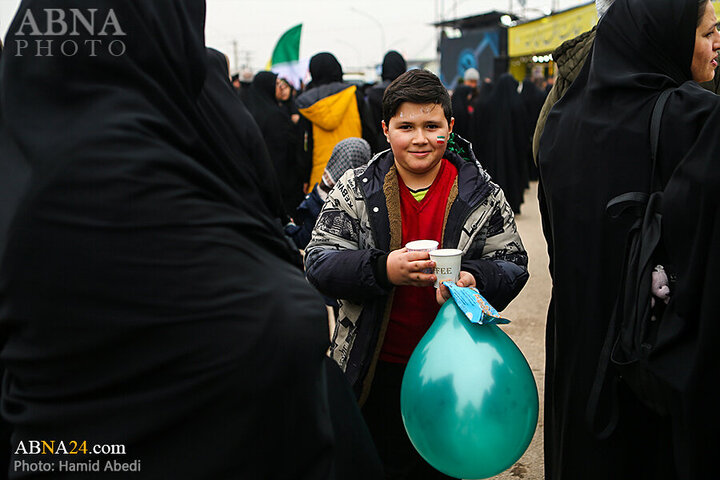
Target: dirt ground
527,314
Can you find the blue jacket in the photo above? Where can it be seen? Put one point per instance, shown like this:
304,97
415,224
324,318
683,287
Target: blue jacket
304,219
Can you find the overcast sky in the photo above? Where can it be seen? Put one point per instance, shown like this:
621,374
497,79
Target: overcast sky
357,32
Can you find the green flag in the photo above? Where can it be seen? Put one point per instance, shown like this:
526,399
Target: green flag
285,59
288,47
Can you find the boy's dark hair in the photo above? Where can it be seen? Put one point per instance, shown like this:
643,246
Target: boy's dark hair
415,86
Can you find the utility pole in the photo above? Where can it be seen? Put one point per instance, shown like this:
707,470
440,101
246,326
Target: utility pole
247,55
235,56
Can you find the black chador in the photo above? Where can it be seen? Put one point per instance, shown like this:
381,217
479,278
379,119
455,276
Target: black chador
499,134
596,146
147,296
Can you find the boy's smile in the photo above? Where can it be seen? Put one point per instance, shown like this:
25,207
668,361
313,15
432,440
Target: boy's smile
413,136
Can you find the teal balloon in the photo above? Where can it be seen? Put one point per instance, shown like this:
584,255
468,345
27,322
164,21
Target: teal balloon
468,399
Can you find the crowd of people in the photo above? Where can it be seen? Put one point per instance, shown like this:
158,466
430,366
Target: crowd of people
170,240
498,117
301,128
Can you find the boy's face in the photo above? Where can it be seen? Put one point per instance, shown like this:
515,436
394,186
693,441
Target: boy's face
413,136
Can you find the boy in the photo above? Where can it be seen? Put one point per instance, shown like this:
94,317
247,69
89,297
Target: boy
415,191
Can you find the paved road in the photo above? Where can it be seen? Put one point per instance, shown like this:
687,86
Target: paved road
527,329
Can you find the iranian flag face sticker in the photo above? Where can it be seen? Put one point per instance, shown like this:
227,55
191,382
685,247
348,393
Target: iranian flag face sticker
440,139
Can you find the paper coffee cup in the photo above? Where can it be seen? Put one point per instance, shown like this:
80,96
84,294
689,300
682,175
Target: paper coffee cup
447,265
422,246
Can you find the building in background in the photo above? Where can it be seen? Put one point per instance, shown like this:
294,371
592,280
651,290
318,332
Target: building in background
497,42
530,44
478,41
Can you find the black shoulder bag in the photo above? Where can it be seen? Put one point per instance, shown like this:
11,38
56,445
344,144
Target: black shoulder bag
633,327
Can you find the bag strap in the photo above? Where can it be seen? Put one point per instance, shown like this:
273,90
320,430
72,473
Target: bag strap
615,208
599,385
618,205
655,183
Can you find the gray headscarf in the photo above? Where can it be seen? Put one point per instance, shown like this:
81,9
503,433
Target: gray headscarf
349,153
602,6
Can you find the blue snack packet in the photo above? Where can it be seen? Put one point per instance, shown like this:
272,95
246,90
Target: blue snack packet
474,306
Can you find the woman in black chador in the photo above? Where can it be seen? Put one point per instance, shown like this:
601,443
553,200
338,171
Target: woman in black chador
595,147
147,297
499,133
533,99
279,134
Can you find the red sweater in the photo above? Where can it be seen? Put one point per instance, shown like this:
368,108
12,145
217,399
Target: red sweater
415,308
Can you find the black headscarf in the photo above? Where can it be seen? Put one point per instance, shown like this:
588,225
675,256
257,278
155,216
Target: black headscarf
145,299
596,146
499,133
264,82
393,65
324,68
261,97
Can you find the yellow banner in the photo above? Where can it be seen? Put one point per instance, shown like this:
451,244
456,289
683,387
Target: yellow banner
542,36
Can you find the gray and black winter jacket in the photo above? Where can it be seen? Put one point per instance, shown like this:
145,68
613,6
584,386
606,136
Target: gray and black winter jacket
360,224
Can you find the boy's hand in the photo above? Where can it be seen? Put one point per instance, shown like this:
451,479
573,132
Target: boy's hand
406,268
442,293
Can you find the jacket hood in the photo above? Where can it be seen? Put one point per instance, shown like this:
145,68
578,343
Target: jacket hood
325,68
393,65
570,55
326,105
